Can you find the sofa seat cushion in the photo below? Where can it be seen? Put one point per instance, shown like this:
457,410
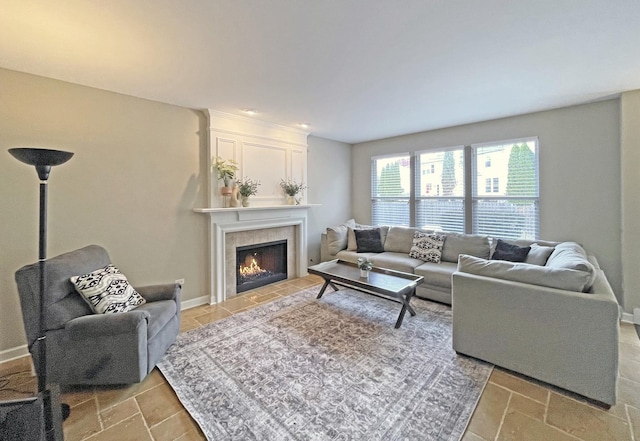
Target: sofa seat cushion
470,244
352,256
436,274
160,313
395,261
560,278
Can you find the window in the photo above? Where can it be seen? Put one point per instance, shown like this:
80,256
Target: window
509,212
391,190
504,203
444,209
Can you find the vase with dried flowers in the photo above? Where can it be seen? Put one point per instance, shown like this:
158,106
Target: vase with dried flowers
247,187
291,188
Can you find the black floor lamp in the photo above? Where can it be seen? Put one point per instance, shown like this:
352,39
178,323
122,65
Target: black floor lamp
43,160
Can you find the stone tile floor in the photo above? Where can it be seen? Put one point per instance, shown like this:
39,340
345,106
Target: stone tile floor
511,407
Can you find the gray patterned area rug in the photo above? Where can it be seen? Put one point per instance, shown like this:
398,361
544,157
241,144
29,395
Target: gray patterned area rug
329,369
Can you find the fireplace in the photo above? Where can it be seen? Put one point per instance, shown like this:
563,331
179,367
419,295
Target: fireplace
260,264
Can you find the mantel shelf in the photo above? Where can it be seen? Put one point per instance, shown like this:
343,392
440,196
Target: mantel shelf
256,208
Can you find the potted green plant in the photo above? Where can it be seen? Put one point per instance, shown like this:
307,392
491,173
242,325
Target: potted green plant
365,266
291,188
226,169
247,187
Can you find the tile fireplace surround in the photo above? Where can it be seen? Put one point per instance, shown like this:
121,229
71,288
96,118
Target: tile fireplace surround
231,227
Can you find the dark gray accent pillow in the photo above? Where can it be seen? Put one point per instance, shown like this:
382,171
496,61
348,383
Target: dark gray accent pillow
510,252
369,241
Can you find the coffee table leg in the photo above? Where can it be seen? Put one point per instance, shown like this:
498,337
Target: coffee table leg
405,306
326,283
409,297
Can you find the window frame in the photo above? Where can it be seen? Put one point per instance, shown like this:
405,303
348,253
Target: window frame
470,198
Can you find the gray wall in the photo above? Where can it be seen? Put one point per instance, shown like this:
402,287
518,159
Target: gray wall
139,170
579,172
329,170
130,187
630,109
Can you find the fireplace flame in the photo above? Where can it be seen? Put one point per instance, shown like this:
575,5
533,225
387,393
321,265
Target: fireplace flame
252,269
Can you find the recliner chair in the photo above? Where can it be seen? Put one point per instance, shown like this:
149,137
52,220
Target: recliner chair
88,348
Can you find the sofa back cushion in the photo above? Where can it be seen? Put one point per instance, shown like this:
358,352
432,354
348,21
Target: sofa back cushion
560,278
400,239
470,244
337,236
570,255
62,302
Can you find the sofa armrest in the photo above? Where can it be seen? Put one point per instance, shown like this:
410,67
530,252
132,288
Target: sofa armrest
100,325
565,338
153,293
325,255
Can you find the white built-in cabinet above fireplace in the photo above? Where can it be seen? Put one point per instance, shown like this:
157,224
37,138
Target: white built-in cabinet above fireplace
264,152
267,153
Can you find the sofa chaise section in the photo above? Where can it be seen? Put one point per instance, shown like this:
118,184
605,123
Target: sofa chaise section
562,337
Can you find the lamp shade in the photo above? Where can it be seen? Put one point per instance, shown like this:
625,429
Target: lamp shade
42,159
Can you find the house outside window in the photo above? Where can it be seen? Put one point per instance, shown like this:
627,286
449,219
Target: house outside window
442,210
512,210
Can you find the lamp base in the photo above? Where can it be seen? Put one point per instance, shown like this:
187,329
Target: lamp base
53,413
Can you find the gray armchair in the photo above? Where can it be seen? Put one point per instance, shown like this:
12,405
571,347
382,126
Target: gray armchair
87,348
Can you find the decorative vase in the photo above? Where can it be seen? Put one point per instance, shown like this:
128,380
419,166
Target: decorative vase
364,273
226,190
291,200
245,201
234,199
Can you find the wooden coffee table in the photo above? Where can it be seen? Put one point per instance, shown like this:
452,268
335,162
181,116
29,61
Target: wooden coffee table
388,284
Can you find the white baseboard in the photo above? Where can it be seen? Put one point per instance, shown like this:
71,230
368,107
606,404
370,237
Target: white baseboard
192,303
632,318
22,350
12,353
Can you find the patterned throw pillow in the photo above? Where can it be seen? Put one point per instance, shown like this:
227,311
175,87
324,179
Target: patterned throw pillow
107,290
427,246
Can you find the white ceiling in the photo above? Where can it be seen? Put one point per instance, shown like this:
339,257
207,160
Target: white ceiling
355,70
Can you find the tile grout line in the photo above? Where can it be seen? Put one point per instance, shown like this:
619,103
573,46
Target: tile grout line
629,422
504,415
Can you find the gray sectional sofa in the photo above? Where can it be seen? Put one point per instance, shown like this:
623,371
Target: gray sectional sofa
553,317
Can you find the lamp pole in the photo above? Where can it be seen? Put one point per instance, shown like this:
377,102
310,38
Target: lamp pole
43,160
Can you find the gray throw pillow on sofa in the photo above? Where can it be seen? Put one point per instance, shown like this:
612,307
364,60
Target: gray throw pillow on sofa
510,252
369,241
538,254
352,244
337,236
560,278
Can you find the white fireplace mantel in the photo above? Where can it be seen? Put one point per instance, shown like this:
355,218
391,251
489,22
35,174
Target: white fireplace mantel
268,153
232,220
